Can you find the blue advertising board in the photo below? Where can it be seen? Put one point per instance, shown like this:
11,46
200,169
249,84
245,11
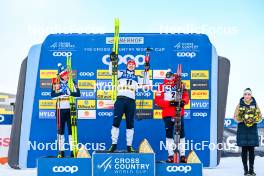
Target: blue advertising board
130,164
172,169
6,119
90,63
64,166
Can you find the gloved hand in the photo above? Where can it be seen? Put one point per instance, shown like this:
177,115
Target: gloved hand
113,56
175,103
68,92
182,104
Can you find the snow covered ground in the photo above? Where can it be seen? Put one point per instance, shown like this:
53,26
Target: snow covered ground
231,166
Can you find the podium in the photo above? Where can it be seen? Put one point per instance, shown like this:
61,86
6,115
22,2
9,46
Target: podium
48,166
179,169
117,164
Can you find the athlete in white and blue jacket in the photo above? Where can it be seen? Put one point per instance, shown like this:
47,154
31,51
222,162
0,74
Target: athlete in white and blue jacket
125,103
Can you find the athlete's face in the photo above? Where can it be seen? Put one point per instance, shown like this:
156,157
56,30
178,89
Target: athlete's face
131,66
65,77
247,96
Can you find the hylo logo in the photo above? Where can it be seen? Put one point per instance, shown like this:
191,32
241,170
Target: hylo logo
70,169
184,169
87,94
199,104
47,114
62,54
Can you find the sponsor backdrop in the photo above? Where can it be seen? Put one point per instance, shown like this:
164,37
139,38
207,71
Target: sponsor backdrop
5,130
90,60
4,141
123,164
6,117
172,169
64,167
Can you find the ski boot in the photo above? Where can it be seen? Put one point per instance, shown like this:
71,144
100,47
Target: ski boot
61,154
130,149
170,159
183,159
112,148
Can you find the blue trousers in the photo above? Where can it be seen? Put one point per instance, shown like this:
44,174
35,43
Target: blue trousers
127,106
65,118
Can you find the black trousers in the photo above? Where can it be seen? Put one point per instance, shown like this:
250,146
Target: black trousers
127,106
63,117
248,153
169,127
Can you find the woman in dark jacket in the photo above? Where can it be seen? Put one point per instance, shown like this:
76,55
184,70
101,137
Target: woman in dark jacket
247,115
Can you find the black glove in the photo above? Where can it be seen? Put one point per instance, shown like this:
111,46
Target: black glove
175,103
182,104
113,56
146,66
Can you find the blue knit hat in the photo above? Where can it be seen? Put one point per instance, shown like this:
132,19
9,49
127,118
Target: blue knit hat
62,70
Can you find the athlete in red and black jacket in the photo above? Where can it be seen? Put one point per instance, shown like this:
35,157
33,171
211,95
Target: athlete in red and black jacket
165,99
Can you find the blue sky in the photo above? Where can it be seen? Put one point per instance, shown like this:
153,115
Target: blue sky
234,27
